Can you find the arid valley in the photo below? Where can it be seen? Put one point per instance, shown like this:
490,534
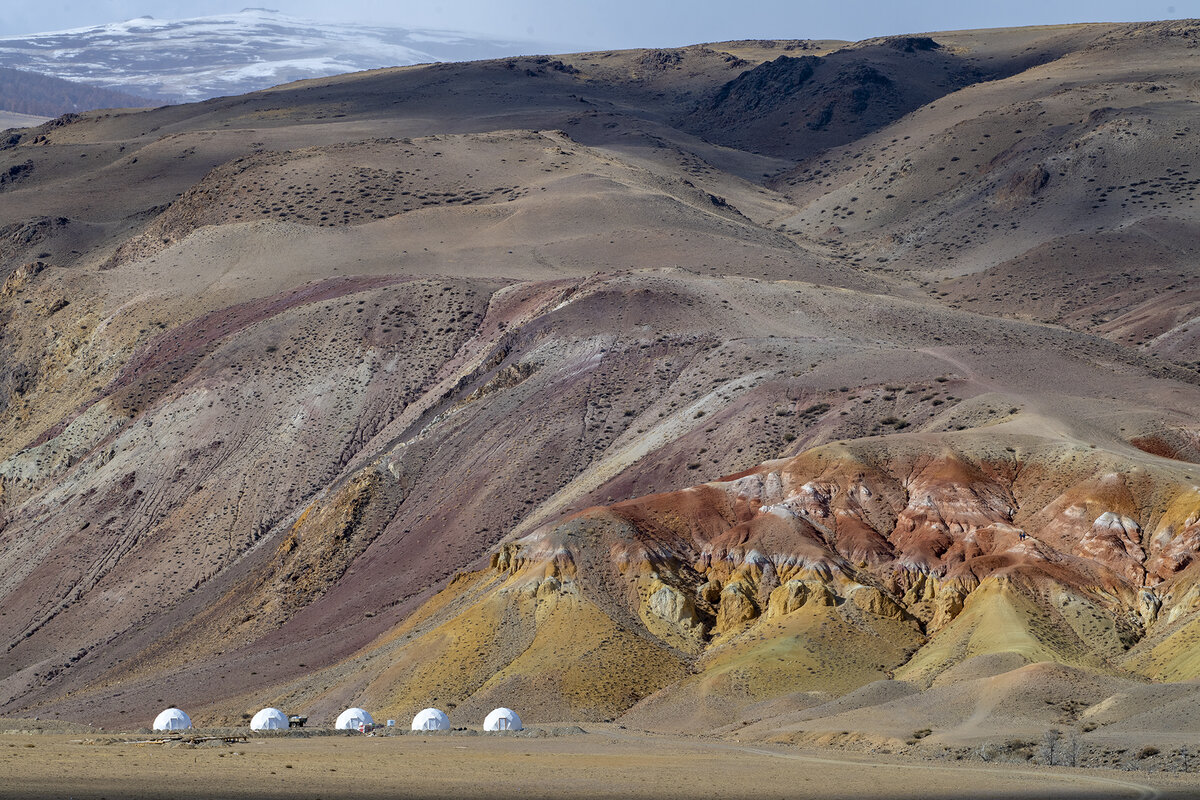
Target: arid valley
758,418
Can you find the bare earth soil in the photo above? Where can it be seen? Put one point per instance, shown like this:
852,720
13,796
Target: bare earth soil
602,764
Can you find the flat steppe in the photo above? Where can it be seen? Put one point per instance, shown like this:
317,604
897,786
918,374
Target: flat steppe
604,762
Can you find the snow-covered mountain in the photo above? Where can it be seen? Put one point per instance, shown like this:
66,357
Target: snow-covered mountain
202,57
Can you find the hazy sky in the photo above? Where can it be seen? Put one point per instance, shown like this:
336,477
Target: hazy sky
623,23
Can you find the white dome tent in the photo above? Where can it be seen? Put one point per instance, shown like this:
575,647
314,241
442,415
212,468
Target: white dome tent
431,719
172,719
502,719
353,719
269,719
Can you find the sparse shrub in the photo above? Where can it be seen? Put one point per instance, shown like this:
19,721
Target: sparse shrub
1049,746
1147,751
1069,752
1012,750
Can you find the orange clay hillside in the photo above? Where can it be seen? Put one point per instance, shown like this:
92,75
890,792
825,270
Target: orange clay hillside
821,573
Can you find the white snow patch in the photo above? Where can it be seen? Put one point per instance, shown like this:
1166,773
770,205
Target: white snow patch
201,57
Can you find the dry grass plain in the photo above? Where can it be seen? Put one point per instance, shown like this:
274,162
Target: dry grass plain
607,762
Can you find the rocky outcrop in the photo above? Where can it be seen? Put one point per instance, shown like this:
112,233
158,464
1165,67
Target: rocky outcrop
671,614
795,594
736,608
1022,187
1116,540
21,277
874,601
947,605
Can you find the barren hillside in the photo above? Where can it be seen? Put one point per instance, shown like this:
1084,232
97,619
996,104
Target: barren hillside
702,386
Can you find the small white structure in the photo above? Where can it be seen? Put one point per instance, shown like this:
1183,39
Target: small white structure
172,719
269,719
353,719
502,719
431,719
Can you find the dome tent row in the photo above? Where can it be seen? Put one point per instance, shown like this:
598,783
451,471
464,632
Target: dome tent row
428,719
176,719
434,719
500,719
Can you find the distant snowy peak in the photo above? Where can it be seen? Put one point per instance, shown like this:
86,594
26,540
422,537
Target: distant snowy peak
202,57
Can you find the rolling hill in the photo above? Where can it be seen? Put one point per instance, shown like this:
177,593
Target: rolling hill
34,95
778,388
